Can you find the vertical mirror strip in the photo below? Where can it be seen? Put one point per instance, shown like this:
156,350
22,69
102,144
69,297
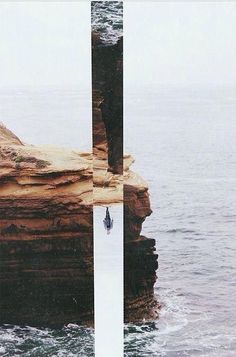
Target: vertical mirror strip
107,99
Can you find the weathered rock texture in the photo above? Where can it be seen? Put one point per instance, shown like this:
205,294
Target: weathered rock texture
46,234
107,83
140,260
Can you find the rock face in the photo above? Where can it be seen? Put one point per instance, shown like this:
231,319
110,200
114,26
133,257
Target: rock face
140,260
46,234
107,83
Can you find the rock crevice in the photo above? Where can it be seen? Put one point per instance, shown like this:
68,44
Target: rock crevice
107,83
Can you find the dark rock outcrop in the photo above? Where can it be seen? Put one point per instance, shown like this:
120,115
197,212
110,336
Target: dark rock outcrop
107,83
140,260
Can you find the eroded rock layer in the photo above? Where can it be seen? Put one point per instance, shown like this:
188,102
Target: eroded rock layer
46,234
140,260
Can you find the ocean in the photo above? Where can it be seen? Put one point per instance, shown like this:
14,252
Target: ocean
183,140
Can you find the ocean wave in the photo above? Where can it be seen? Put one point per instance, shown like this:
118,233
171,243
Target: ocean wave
107,19
69,341
180,230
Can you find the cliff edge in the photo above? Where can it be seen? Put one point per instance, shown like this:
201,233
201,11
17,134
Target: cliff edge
46,234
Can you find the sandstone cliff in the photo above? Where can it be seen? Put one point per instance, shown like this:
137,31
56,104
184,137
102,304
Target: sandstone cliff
46,234
140,260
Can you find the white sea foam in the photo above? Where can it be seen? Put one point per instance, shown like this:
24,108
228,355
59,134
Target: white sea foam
107,19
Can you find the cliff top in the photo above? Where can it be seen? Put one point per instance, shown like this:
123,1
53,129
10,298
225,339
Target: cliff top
7,136
27,170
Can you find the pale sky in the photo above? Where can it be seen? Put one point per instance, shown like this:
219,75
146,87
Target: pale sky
180,43
45,43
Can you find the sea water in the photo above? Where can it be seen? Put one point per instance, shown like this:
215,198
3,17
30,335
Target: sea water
184,143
